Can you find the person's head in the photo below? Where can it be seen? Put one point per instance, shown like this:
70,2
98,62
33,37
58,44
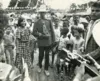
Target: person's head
64,31
77,31
29,21
56,24
8,30
21,22
11,19
42,15
76,20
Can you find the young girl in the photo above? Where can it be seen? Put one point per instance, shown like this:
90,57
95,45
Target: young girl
22,46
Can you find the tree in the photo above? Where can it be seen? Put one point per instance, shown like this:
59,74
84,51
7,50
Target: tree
73,6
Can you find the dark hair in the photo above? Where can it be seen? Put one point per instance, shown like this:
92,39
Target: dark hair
20,20
64,31
80,30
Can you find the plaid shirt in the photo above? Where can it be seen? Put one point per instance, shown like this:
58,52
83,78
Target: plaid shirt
23,48
91,46
22,40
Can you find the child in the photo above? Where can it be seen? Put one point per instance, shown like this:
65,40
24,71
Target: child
57,38
9,45
78,41
63,39
32,40
62,44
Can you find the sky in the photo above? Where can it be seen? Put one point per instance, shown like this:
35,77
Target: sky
56,4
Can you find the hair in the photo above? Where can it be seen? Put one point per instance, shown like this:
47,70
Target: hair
20,20
80,30
64,31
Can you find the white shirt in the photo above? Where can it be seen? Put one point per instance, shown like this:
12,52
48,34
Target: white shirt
57,34
77,44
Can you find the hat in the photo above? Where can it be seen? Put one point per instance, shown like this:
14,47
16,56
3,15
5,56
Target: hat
42,8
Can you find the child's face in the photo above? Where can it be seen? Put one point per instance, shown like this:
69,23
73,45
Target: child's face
23,23
8,31
56,24
76,33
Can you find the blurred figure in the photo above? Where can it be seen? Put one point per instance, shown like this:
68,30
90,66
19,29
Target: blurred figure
44,32
57,38
22,46
9,46
78,41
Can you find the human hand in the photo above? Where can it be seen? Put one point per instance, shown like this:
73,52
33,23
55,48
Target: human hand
80,69
81,49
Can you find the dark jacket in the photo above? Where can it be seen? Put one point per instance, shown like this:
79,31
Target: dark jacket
44,39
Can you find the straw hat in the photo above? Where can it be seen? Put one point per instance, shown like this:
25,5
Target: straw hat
43,8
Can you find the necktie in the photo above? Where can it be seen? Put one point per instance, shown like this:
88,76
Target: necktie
45,31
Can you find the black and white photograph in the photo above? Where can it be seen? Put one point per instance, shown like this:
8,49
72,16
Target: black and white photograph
49,40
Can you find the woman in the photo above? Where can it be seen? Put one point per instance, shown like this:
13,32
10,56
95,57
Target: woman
22,45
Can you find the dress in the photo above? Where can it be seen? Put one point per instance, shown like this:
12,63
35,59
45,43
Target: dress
22,48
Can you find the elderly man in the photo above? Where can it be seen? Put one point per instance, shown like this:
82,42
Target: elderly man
44,32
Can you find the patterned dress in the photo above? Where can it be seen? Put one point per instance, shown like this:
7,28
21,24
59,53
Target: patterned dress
22,48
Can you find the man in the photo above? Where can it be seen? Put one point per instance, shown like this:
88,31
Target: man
44,32
90,41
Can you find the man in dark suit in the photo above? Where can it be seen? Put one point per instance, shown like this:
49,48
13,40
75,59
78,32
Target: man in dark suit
44,32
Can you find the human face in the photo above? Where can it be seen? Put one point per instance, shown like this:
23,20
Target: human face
76,33
23,23
29,22
42,15
56,24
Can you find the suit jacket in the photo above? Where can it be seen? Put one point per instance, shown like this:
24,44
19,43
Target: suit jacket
44,39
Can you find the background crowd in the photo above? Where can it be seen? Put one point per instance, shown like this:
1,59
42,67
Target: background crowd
46,32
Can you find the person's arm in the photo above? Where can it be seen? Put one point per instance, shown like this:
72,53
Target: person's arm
79,72
94,79
52,32
35,30
82,46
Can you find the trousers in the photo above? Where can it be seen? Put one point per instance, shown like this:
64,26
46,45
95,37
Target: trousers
44,53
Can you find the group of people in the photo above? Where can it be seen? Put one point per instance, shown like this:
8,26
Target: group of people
20,41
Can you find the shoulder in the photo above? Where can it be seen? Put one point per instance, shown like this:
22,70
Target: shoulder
49,21
36,22
82,39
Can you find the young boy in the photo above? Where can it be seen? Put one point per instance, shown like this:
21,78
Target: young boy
57,38
62,44
9,45
78,41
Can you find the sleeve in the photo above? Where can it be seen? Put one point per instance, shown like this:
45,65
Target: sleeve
35,30
52,32
83,43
